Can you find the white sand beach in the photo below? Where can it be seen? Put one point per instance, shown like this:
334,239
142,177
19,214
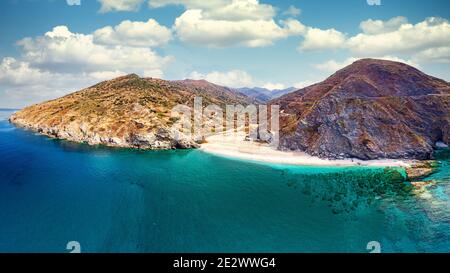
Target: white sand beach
230,144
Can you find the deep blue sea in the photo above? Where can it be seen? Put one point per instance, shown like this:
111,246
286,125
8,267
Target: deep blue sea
121,200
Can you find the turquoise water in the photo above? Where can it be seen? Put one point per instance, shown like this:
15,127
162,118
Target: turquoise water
119,200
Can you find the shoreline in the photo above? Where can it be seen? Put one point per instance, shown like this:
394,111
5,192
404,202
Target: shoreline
233,145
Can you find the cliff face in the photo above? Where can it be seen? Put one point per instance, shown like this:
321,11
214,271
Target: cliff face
368,110
128,111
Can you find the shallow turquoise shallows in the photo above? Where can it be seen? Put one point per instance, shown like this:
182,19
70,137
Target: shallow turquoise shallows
120,200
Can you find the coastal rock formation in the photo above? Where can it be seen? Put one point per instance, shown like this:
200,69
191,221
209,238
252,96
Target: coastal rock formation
420,170
371,109
128,111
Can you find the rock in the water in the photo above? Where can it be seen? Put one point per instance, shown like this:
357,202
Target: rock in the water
420,170
441,145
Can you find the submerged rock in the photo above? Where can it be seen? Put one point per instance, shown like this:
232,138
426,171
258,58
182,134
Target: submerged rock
348,191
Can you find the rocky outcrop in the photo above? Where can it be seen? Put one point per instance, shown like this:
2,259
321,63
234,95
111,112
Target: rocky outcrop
421,170
128,111
369,110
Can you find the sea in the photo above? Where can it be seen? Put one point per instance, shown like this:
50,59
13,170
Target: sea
56,193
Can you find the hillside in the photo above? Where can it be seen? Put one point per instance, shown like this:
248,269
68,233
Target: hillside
370,109
263,95
128,111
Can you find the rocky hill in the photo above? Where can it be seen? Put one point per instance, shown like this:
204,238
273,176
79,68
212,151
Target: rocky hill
127,111
370,109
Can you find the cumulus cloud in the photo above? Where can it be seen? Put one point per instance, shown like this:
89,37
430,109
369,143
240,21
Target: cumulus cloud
428,40
232,78
17,73
241,10
319,39
433,32
274,86
436,54
140,34
232,10
227,23
64,51
14,72
61,61
23,84
190,4
333,65
119,5
378,26
292,11
193,27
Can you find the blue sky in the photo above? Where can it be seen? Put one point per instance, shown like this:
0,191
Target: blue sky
49,48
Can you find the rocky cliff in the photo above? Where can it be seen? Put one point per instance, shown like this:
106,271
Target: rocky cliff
127,111
368,110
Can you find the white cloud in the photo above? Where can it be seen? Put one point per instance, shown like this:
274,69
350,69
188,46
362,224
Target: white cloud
436,54
119,5
60,62
73,2
16,73
241,10
428,40
378,26
13,72
292,11
22,84
293,27
141,34
303,84
227,23
193,27
401,37
230,10
189,4
333,65
235,79
63,51
106,75
232,78
318,39
274,86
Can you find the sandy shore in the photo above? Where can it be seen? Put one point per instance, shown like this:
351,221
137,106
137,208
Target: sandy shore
234,145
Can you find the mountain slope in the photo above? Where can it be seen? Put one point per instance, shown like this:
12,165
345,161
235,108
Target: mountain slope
263,95
259,94
370,109
127,111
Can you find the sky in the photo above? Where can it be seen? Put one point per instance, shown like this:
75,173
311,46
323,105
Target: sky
49,48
